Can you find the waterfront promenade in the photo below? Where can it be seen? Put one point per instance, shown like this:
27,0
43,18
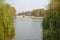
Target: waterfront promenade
28,17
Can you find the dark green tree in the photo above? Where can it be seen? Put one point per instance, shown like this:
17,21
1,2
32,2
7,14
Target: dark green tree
51,27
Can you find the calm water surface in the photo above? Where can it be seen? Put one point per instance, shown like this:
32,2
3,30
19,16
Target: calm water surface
28,29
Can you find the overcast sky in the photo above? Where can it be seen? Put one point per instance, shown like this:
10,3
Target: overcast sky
28,5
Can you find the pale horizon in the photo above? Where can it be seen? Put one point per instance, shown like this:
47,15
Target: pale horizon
28,5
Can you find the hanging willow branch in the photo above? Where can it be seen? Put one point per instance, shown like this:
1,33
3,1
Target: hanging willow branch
7,14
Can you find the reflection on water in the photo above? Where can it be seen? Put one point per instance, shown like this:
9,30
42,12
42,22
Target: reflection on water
28,29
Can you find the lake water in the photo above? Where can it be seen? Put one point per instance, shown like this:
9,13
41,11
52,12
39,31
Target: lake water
28,29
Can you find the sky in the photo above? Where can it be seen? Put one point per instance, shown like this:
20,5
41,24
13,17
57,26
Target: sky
28,5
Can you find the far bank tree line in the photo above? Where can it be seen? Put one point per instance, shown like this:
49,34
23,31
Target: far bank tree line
34,12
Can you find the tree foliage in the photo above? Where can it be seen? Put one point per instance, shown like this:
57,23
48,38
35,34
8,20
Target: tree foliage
7,14
34,12
51,27
38,12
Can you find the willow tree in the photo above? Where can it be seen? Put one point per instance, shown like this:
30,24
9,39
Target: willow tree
51,23
7,15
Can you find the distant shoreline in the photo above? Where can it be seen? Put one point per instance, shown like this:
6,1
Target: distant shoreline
28,17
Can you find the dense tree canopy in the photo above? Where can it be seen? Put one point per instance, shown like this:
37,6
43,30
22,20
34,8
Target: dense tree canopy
34,12
7,14
51,27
